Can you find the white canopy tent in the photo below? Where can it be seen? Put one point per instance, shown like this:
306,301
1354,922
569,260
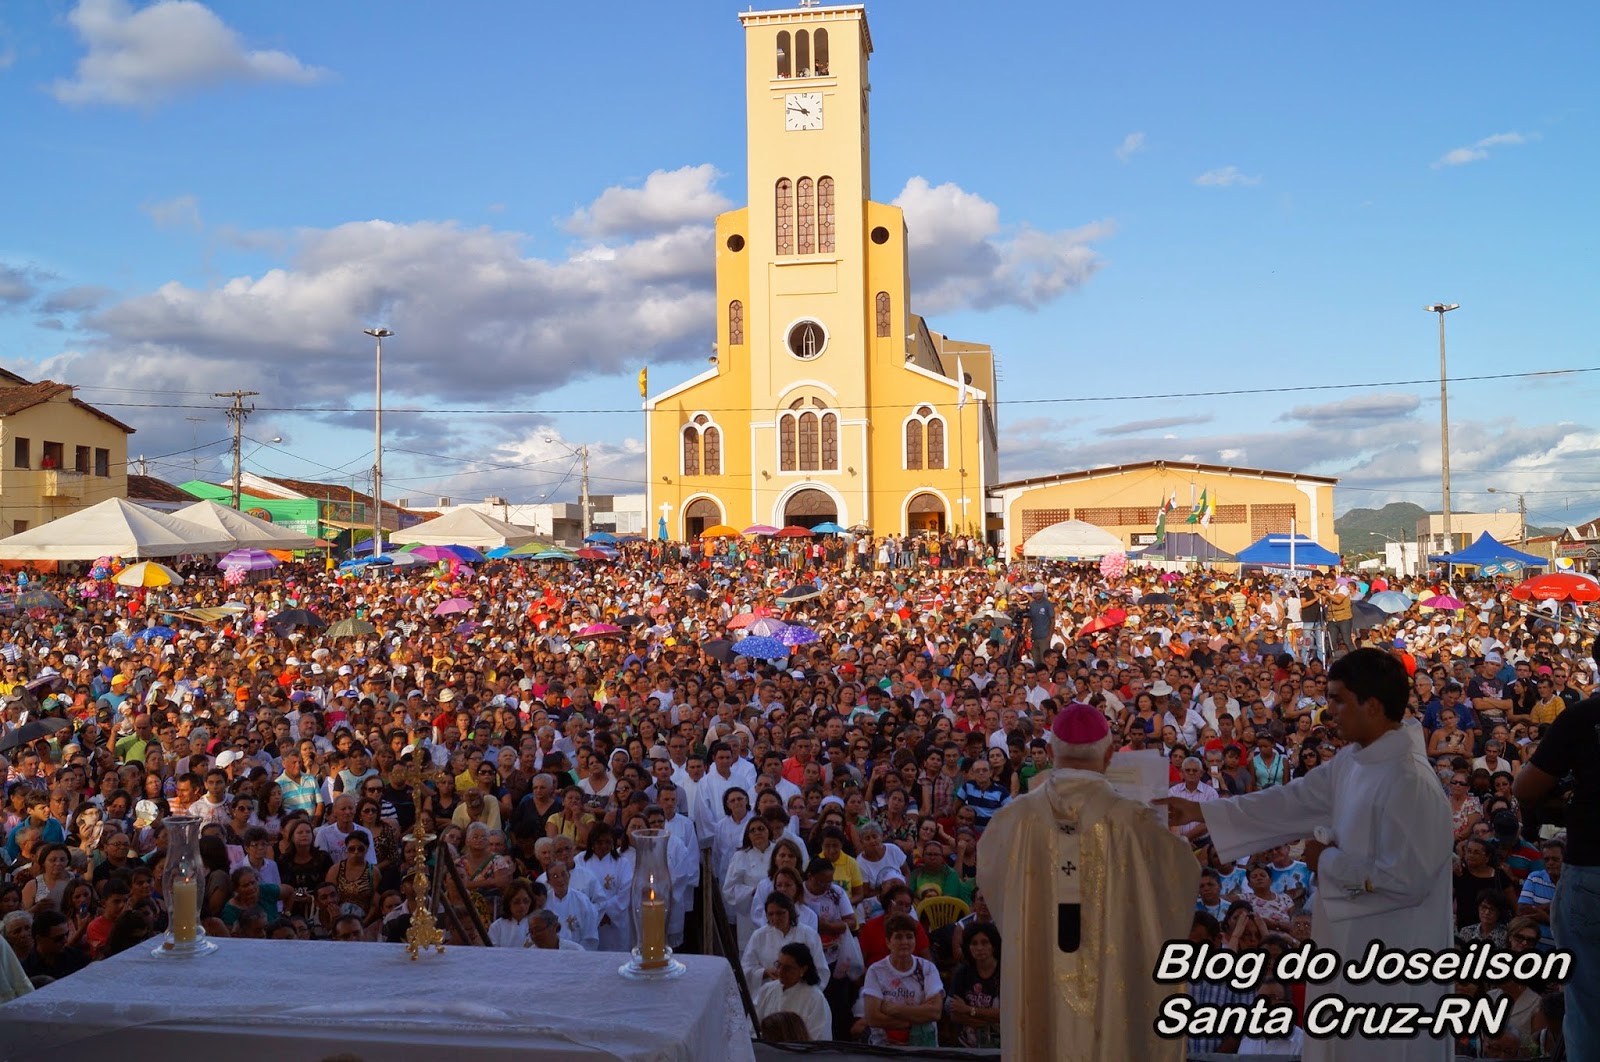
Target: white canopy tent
1072,539
115,527
464,527
246,531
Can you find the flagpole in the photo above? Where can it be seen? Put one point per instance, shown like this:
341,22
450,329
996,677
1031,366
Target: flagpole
1291,546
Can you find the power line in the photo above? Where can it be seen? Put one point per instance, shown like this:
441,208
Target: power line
1068,400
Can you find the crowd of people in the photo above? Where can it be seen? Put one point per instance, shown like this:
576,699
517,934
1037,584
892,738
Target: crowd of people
826,808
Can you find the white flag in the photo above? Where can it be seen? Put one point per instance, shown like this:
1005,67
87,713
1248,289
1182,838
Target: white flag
961,386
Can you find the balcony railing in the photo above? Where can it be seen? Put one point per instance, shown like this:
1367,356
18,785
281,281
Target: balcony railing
61,483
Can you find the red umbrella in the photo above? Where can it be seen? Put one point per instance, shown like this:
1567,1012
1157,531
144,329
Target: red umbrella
795,532
593,555
1112,617
744,619
1557,586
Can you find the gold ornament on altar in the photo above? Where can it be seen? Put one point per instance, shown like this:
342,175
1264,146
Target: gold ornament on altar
424,932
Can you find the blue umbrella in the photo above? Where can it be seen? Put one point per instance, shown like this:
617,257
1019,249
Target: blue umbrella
828,527
799,592
761,648
37,598
365,561
1391,601
498,552
601,538
154,632
794,634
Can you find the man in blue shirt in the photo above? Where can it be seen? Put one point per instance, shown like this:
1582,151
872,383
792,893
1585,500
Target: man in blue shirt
981,793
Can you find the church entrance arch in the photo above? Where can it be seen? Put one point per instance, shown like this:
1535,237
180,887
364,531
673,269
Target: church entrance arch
809,507
925,514
699,515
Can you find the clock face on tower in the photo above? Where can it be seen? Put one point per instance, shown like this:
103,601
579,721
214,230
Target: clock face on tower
802,110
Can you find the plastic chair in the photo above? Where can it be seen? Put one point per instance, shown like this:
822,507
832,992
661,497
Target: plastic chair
937,912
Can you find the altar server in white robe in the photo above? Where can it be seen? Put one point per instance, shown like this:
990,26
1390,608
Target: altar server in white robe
1380,847
579,921
1086,887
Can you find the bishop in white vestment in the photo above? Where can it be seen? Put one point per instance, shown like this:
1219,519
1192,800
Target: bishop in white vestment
1086,887
1382,862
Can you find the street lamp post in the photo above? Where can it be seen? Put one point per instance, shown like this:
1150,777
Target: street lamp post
379,334
582,454
1522,514
1442,308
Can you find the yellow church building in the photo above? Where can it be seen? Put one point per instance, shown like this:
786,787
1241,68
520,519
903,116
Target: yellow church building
827,399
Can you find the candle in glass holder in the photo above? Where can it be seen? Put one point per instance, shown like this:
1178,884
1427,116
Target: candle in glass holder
185,911
652,930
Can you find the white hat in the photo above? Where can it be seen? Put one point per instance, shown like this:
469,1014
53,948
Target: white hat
345,669
293,661
1160,689
229,756
446,695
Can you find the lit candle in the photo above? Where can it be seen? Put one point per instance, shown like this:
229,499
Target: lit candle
185,913
652,930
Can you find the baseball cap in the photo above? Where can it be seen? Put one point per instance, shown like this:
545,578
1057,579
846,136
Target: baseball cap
229,756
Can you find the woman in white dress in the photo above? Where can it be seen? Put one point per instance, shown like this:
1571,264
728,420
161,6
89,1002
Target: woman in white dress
510,930
785,856
760,958
729,830
609,860
794,989
746,870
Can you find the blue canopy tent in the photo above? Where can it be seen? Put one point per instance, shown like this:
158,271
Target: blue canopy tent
1276,551
1488,550
1185,546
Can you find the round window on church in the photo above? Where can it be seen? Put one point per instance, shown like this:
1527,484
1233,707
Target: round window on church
807,339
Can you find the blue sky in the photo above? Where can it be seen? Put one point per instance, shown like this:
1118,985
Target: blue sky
1125,201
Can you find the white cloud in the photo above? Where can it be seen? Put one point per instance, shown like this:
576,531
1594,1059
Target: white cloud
1131,145
1139,427
146,57
1360,408
669,198
1479,149
179,212
1225,177
961,258
17,286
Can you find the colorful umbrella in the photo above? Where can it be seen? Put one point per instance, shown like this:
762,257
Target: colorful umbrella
1113,617
1170,577
147,574
795,532
600,630
601,538
39,599
744,619
450,606
762,649
827,527
469,628
498,552
1444,602
408,560
590,554
248,560
767,627
154,632
793,634
351,628
365,562
761,529
1557,586
551,555
1391,601
719,531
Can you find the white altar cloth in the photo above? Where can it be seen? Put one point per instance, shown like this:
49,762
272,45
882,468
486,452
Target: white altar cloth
284,1001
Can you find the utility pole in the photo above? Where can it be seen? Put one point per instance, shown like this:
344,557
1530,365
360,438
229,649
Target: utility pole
583,489
379,334
237,414
1442,308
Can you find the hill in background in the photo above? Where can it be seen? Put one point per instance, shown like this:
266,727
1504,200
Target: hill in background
1362,530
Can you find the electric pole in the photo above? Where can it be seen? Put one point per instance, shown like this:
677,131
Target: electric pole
237,414
379,335
583,490
1442,308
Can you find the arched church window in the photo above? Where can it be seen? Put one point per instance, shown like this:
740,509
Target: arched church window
806,223
785,215
783,53
825,214
735,323
883,314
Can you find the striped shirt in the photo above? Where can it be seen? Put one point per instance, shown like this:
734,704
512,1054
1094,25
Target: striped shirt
1539,891
1214,994
303,794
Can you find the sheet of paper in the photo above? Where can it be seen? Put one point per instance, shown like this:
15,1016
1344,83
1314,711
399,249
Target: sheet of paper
1141,776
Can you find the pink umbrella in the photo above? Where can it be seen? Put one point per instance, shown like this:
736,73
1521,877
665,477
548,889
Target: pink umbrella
1443,601
600,630
744,619
451,606
1170,577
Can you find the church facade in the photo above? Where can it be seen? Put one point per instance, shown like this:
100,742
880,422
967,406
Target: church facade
827,399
